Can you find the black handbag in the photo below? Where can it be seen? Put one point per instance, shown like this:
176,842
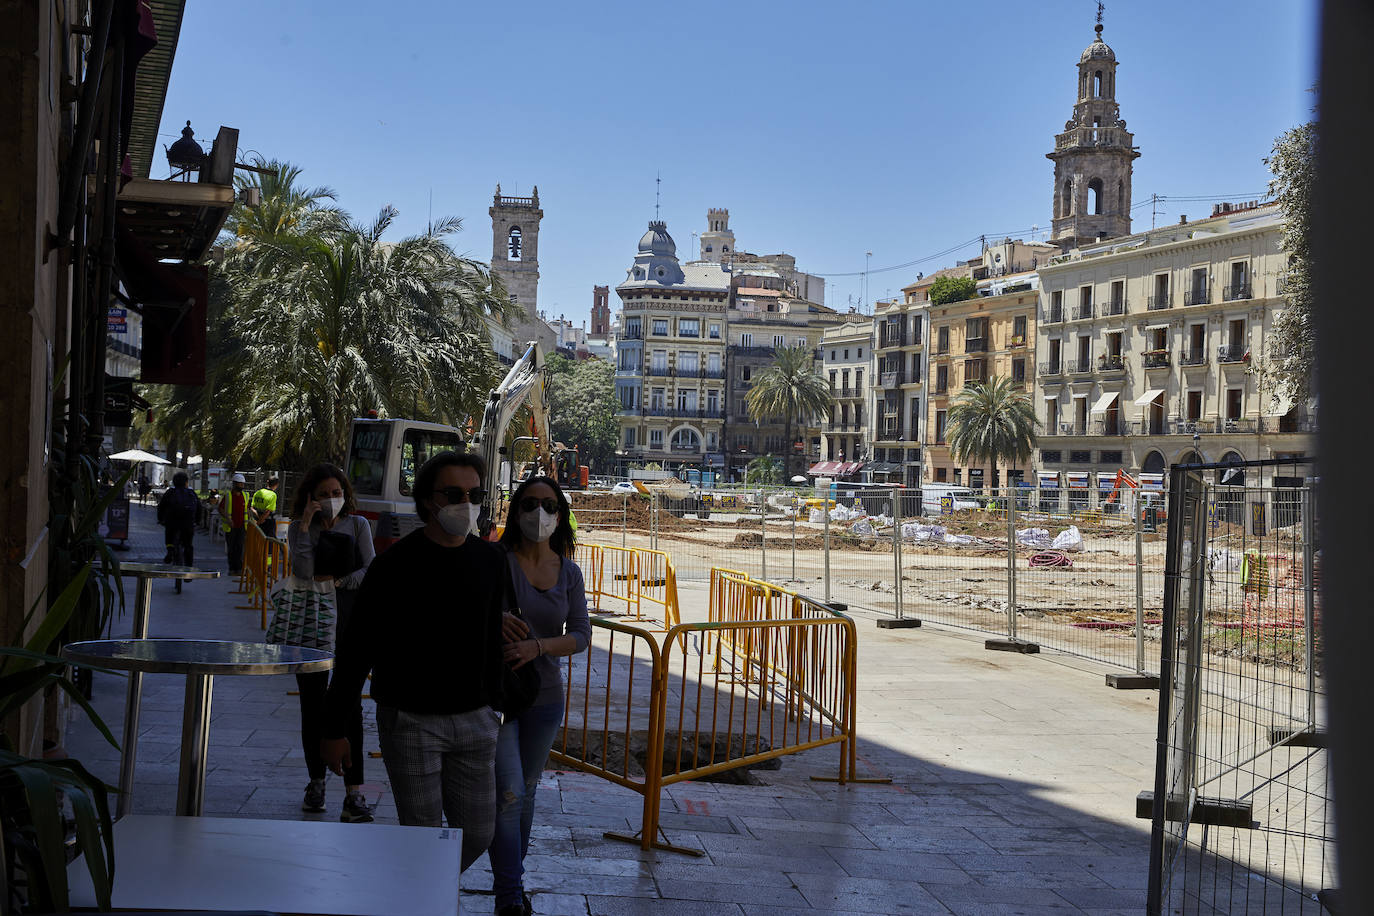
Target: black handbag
519,686
337,554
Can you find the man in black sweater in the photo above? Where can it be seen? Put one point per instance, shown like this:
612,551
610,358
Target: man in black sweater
427,625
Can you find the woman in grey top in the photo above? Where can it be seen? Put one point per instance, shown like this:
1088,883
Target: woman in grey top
551,597
324,502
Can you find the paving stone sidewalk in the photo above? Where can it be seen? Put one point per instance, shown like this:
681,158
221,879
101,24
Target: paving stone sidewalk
1013,784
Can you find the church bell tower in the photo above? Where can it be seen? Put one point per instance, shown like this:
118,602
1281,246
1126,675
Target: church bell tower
1093,157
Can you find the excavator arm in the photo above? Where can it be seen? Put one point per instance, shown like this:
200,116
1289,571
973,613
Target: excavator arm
524,384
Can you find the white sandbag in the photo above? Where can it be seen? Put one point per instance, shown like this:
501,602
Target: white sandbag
1033,537
816,517
958,540
862,528
1069,539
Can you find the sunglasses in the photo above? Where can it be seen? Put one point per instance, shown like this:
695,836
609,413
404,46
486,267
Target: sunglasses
548,504
459,495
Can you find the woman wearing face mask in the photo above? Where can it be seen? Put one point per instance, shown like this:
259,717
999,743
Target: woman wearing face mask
550,595
324,503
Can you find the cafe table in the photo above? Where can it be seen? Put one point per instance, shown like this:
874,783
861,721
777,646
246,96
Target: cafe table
200,660
146,574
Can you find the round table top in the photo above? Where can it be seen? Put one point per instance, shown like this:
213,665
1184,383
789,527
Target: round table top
165,571
197,656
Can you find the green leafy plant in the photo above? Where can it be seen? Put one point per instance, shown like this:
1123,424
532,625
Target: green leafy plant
952,289
31,817
764,470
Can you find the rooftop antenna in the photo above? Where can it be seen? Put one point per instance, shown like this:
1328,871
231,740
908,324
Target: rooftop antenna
658,187
429,228
1099,17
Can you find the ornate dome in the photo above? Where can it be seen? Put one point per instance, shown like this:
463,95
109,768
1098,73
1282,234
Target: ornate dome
657,241
1098,50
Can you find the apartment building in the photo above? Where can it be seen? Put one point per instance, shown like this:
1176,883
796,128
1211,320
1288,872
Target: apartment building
972,341
670,358
847,363
899,389
1153,350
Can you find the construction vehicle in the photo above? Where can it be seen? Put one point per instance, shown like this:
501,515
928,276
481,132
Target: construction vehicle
1147,491
384,455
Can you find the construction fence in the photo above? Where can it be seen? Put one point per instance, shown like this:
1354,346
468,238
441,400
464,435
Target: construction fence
1034,566
1245,821
772,673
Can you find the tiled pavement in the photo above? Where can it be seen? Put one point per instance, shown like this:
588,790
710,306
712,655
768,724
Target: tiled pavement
1013,785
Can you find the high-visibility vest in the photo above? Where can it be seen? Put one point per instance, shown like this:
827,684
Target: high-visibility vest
237,514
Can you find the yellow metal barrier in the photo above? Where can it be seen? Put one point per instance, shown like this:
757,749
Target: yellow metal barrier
265,561
773,673
632,577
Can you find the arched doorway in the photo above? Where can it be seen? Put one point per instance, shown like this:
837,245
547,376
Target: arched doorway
1189,457
1153,463
1230,490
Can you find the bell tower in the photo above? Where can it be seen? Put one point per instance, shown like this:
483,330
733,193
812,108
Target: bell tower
1093,157
515,246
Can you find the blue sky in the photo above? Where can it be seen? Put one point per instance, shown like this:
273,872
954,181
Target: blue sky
828,130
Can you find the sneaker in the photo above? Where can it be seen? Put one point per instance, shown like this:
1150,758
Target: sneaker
355,809
314,796
523,908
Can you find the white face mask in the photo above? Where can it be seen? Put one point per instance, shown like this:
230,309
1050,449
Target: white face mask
330,508
538,525
458,519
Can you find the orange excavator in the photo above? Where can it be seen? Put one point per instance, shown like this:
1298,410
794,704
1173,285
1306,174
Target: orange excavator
1147,499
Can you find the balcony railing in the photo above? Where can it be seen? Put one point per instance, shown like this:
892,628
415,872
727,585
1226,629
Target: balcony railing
1232,353
699,413
632,334
1156,359
890,336
1197,296
1235,291
751,350
1078,366
1115,307
1051,368
658,371
1155,303
891,431
1065,429
1108,428
686,447
1111,363
976,345
941,388
1054,314
1288,425
1017,340
1193,358
1082,311
893,379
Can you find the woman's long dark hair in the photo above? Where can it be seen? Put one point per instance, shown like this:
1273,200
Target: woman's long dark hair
322,471
563,541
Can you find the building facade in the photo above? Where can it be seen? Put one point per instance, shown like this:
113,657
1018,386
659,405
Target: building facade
847,362
899,327
973,341
760,322
670,358
1152,350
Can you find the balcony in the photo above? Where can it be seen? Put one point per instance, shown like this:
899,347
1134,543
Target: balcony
890,336
1155,303
893,379
1156,359
1065,429
941,388
976,345
1235,291
1233,353
632,334
1148,428
1115,307
892,430
1053,315
1288,424
1111,363
751,350
1108,428
658,371
1193,358
1082,311
1018,340
1051,368
1078,366
1199,296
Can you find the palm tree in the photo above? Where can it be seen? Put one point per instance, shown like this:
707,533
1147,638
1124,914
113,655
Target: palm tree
790,388
344,322
991,422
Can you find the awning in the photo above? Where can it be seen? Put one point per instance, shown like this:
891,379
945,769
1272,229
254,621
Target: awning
824,467
1149,397
1048,480
1104,402
1076,479
849,467
884,467
175,219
